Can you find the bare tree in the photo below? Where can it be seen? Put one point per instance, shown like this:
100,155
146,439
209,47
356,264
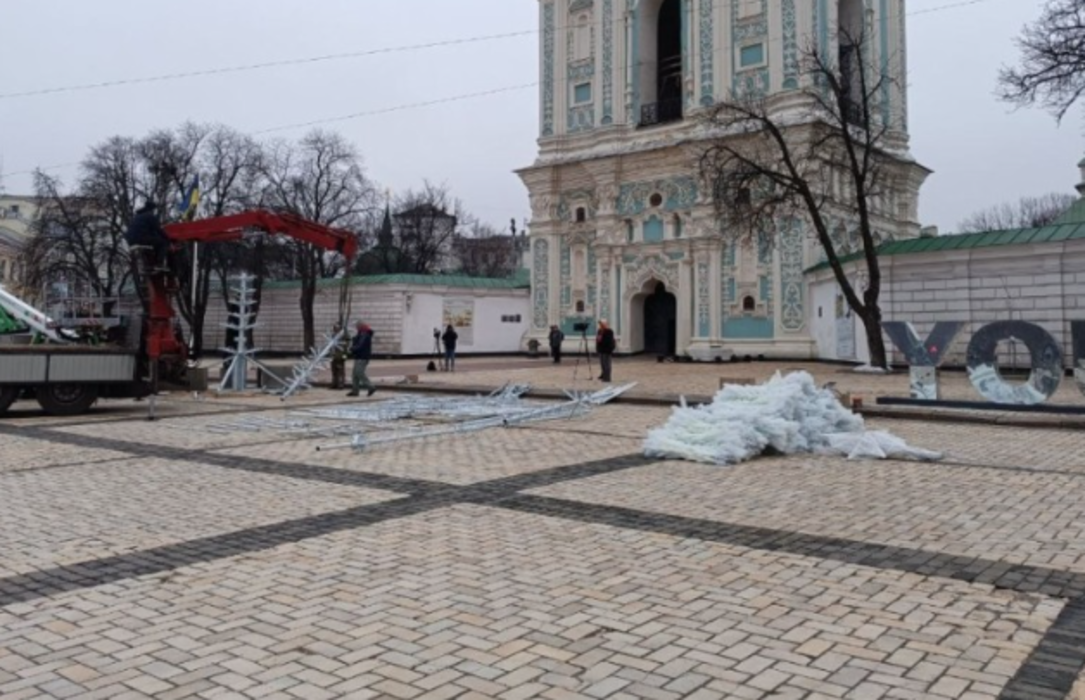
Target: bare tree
79,235
485,252
425,227
769,169
321,179
1052,67
228,164
71,244
1028,212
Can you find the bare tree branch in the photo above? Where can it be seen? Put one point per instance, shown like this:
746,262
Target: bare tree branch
321,179
1052,67
1028,212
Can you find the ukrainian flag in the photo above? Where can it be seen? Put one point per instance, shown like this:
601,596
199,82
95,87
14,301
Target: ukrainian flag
190,202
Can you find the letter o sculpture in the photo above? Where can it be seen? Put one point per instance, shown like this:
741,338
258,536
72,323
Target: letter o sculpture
1046,356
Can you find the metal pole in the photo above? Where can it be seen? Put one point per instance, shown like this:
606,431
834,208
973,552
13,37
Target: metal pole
195,273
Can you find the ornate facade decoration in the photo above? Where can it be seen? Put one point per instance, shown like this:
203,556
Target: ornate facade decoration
677,192
581,118
792,303
540,206
540,283
603,310
608,62
566,273
572,199
548,69
705,29
727,281
755,80
704,328
791,46
646,267
592,263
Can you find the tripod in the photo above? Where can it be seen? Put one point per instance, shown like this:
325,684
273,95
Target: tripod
438,356
582,347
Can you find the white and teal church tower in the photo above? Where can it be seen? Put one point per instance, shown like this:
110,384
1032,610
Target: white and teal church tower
621,228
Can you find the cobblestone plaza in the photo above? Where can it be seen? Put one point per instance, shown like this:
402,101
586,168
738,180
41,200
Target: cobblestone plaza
170,560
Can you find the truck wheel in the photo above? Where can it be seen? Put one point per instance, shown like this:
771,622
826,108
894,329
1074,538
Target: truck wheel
8,394
67,399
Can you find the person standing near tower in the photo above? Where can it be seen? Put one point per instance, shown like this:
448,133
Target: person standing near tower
556,339
361,350
604,348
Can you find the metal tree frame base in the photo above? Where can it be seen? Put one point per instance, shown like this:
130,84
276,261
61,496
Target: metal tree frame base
241,356
317,360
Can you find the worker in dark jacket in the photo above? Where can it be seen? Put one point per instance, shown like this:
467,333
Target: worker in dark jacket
145,229
556,339
361,349
604,347
449,339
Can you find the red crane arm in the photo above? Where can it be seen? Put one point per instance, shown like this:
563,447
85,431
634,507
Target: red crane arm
234,226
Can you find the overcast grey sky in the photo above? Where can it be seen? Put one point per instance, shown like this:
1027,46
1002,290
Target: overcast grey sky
982,152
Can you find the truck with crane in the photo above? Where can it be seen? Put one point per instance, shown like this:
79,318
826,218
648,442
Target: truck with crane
67,377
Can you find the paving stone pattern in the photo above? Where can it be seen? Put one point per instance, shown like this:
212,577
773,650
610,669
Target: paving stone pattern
63,516
1031,518
540,562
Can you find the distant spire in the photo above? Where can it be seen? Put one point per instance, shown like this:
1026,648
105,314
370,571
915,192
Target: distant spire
384,238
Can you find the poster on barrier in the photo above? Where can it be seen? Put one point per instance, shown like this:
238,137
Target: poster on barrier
460,314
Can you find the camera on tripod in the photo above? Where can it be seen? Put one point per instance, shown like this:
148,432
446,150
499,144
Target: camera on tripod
581,327
436,333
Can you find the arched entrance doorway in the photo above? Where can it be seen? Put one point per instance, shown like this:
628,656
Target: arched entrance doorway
660,322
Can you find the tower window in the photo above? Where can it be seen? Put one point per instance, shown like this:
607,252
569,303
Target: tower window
660,59
581,215
656,200
748,303
850,35
752,55
582,93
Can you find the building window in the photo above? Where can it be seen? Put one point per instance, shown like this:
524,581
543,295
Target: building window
660,60
677,226
748,303
653,230
580,307
582,93
628,231
656,200
751,56
850,33
581,215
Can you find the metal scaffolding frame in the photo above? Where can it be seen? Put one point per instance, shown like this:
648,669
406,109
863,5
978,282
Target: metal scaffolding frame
317,359
578,404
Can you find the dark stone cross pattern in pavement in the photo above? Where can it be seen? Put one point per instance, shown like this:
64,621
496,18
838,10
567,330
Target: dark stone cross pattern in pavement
1050,671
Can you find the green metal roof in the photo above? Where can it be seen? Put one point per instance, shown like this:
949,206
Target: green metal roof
521,280
1055,233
